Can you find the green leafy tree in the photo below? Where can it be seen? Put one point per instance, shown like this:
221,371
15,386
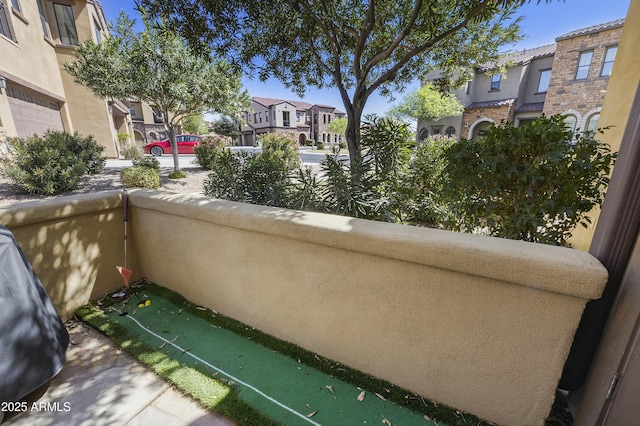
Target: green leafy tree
528,183
359,47
157,67
427,104
338,126
225,126
193,124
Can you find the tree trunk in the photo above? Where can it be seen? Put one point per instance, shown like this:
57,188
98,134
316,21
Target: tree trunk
352,134
174,146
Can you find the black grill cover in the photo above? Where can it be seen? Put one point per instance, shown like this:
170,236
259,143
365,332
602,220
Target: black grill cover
33,339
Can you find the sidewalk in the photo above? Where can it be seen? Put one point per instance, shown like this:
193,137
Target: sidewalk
100,385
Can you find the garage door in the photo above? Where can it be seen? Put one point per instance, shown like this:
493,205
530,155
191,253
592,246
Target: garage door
32,112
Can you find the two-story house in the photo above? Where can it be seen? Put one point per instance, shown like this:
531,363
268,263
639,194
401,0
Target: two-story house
301,119
569,77
37,37
582,65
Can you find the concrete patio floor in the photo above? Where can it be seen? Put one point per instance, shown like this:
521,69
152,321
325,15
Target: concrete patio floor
101,385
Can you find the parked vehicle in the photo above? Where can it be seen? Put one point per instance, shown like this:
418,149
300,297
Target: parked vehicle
185,143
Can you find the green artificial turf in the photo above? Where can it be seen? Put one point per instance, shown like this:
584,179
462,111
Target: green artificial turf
303,381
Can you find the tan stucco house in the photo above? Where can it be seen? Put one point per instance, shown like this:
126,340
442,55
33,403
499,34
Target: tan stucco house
568,77
36,93
301,119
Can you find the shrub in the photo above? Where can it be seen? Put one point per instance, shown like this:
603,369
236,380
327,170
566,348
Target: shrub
342,145
177,174
250,178
140,177
85,148
281,147
309,142
319,145
528,183
131,152
147,161
207,150
52,164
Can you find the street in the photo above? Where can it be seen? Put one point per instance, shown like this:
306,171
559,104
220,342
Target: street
308,157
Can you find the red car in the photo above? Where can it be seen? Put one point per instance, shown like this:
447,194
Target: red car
185,145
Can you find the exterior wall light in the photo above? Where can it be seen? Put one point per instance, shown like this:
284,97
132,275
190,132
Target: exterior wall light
3,82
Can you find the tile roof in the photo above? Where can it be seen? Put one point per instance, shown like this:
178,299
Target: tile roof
593,29
301,105
492,104
533,106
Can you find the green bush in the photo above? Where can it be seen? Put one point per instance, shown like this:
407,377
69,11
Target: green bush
207,151
319,145
309,142
147,161
51,164
131,152
533,183
250,178
342,145
281,147
140,177
177,174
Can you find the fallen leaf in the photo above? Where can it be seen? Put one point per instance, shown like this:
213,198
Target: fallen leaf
361,396
312,414
386,421
200,308
381,397
331,390
427,418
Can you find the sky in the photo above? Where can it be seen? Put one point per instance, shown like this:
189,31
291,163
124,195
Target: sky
542,24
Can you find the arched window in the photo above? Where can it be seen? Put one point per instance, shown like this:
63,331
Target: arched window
592,122
450,132
570,121
424,134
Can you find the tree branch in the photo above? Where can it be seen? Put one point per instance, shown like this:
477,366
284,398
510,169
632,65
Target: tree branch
425,46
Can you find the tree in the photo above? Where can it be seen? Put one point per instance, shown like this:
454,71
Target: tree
338,126
427,104
193,124
158,68
225,126
359,47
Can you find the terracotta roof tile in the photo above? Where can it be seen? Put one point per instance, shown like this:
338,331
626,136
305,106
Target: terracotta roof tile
593,29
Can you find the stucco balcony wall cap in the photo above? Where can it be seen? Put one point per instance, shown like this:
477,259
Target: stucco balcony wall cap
54,209
549,268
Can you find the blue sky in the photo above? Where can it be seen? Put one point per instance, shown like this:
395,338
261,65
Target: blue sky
541,25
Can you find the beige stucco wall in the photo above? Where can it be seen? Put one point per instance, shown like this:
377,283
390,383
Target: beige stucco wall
73,243
482,324
621,89
479,323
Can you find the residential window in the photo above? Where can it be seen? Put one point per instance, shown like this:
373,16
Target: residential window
66,24
584,64
43,19
297,117
260,116
16,5
97,34
255,117
450,132
609,57
592,122
285,118
5,26
570,122
495,82
543,82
